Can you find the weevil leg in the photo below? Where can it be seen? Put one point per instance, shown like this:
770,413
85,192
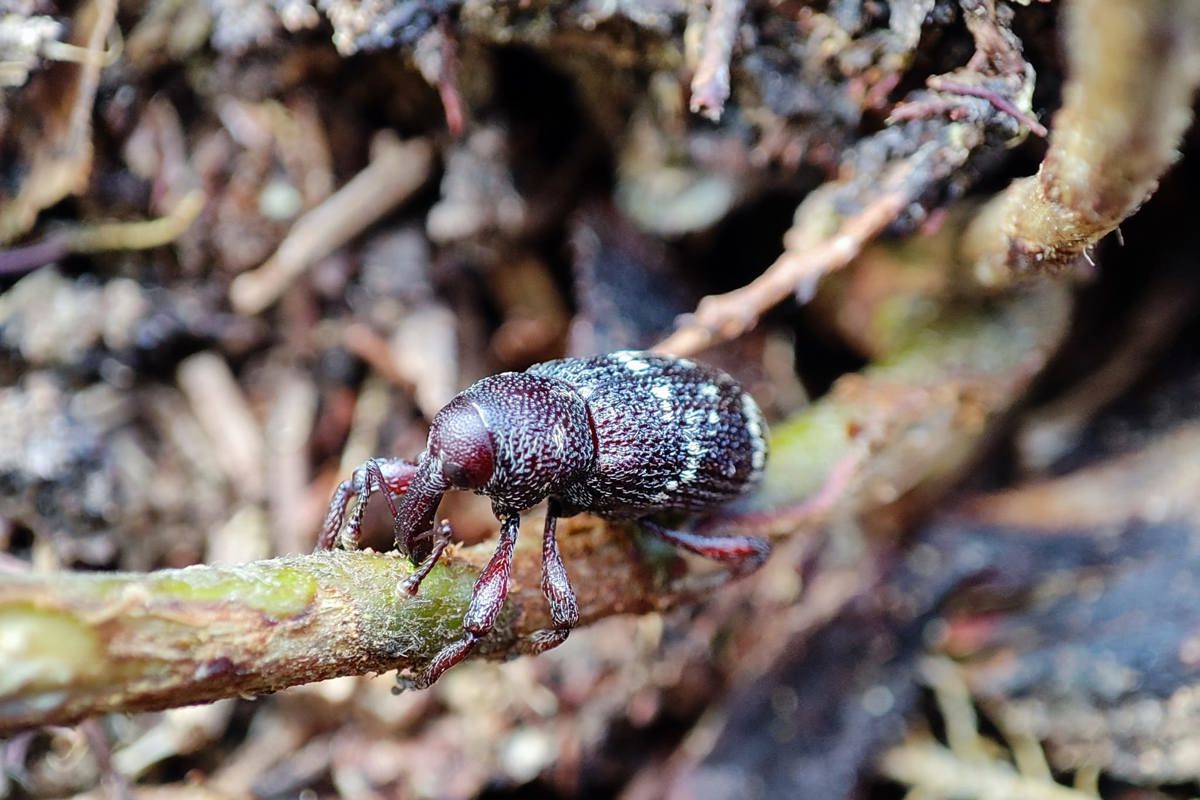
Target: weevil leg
442,534
486,601
366,475
336,513
743,554
389,476
556,586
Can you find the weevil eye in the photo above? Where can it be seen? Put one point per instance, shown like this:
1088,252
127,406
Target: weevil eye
459,438
455,473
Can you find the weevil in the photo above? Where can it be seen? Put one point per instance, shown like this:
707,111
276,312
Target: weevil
626,436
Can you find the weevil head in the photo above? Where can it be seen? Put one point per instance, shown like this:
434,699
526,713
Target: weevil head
459,440
460,455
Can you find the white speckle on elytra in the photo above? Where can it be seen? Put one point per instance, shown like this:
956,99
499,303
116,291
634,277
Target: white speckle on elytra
636,365
671,486
623,355
586,391
689,474
730,470
662,391
754,426
694,447
709,390
661,497
713,417
751,411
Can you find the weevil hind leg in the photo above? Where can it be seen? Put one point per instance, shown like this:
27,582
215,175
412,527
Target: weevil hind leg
366,479
556,586
487,598
389,476
332,525
743,554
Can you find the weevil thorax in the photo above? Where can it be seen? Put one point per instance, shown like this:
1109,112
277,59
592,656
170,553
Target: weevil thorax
514,437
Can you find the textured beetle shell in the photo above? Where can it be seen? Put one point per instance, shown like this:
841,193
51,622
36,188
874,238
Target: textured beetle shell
668,434
540,436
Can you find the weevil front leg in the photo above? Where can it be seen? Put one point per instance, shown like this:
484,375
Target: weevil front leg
556,586
486,601
389,476
743,554
442,533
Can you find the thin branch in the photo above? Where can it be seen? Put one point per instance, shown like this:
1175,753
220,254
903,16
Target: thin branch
397,170
940,83
78,644
448,83
710,85
1134,67
104,236
883,179
137,235
809,253
62,163
938,772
